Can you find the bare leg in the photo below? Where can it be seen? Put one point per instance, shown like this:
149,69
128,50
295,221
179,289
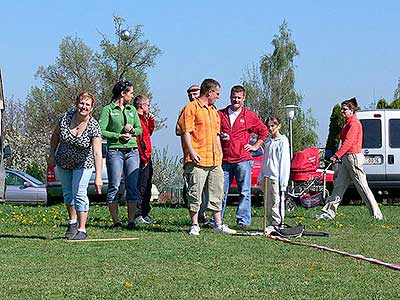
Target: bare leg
194,215
217,217
82,218
113,208
71,212
132,208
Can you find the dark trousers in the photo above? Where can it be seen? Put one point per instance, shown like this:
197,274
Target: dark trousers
144,188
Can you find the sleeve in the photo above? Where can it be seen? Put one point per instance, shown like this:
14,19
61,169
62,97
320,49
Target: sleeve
187,119
349,139
137,126
95,128
259,128
103,122
284,165
151,125
261,175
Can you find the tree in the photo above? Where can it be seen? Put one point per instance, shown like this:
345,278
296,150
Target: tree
270,87
396,93
79,68
335,125
381,104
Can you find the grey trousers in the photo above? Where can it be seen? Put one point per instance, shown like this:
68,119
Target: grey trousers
351,170
275,204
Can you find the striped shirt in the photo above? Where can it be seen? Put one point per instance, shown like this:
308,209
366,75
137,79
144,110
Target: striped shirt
203,123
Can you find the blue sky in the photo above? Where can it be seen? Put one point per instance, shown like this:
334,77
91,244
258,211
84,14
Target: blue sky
347,48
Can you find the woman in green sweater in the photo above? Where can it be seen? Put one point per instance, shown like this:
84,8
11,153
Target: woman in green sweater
120,124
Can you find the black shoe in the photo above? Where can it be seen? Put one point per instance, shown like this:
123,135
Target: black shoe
131,226
80,236
243,226
116,225
203,219
71,231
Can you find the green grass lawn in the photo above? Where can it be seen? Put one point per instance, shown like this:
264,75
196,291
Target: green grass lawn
167,263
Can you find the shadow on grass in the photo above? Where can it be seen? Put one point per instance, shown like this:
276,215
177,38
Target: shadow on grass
32,237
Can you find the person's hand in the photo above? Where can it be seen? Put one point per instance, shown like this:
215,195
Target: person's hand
249,147
149,116
98,183
51,161
195,157
125,136
334,159
128,128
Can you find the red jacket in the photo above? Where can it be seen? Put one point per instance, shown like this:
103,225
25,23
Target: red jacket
143,140
351,136
245,124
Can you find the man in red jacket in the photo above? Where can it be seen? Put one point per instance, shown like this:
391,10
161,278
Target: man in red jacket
238,123
142,104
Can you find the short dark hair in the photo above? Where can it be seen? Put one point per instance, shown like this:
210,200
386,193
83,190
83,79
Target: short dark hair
351,104
208,85
274,119
139,99
119,87
238,89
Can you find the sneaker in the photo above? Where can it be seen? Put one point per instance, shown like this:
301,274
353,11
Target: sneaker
203,219
71,231
323,216
224,229
194,230
269,229
378,217
131,226
139,220
116,225
148,219
80,236
243,226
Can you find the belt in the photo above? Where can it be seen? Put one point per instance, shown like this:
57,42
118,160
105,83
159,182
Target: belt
125,150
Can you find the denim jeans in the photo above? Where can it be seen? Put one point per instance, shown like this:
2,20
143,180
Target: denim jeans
74,184
119,162
242,172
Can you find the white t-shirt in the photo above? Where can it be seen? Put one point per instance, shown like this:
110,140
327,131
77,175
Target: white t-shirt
233,115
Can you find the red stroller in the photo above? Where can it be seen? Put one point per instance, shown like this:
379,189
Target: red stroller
308,186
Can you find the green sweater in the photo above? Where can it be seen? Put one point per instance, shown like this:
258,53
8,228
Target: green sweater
112,123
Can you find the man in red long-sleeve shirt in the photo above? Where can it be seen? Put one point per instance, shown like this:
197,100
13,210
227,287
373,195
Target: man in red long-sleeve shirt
238,123
142,104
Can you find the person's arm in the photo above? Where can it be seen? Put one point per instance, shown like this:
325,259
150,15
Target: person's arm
187,141
98,163
54,140
219,146
151,123
103,121
284,166
261,131
349,139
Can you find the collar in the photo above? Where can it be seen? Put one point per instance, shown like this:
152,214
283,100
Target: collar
113,106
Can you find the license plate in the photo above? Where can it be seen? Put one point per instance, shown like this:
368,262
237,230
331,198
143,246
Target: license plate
373,160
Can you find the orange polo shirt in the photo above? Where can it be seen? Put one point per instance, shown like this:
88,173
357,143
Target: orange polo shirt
203,123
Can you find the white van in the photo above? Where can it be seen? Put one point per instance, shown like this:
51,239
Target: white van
381,147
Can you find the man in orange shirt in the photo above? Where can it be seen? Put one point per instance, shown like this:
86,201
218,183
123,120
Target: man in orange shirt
200,127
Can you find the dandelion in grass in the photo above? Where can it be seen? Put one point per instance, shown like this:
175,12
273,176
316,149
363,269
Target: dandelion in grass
128,284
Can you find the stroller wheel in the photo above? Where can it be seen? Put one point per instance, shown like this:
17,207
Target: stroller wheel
290,204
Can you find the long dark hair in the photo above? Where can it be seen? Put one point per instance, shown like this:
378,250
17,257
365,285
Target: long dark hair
119,87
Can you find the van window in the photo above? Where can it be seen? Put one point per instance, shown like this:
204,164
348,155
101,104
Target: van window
372,133
394,136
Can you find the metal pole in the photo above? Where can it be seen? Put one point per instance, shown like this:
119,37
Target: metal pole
265,198
291,137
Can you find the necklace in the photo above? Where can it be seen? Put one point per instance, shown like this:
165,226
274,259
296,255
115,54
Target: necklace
78,124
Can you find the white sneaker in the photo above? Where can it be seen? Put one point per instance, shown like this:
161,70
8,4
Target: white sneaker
323,216
223,229
269,229
378,217
139,220
194,230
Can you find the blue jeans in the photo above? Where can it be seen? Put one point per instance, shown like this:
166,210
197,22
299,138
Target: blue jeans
126,162
242,172
74,184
